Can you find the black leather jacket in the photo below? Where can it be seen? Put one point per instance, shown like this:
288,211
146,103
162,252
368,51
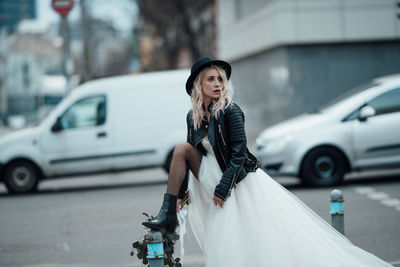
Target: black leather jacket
227,137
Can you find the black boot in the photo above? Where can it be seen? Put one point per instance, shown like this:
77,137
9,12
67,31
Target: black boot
166,219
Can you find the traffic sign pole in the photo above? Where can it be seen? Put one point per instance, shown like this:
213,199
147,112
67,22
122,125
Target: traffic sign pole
63,7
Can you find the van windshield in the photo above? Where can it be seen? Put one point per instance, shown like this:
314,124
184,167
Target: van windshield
346,97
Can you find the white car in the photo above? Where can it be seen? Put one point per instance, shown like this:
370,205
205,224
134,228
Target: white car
359,130
105,125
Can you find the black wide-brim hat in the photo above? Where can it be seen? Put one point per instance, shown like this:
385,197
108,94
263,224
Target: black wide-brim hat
203,63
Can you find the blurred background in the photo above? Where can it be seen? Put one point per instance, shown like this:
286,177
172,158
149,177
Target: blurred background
101,39
288,56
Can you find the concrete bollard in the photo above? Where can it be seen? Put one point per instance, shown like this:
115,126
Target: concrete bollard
337,210
155,248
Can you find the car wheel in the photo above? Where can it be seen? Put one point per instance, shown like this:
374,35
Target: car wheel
323,166
21,177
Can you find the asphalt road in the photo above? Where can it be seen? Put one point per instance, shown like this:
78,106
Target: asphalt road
91,221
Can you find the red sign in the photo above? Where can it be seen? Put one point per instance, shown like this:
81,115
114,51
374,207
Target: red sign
62,7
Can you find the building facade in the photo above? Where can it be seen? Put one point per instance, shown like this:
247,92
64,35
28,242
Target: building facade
25,56
292,56
12,12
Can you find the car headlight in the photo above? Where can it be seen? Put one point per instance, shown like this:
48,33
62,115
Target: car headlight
273,145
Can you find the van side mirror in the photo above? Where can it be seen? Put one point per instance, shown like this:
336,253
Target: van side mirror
365,113
57,126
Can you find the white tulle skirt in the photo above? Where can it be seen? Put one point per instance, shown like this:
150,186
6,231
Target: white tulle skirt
263,224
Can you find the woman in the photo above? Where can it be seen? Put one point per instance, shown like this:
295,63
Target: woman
239,215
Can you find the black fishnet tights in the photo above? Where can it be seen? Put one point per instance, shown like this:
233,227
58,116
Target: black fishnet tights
184,155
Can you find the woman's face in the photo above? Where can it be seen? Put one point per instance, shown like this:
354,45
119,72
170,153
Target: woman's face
211,84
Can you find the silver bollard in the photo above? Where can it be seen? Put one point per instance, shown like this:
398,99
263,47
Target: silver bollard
337,210
155,249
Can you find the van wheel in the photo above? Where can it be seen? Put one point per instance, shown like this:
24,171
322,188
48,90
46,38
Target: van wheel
168,161
21,177
323,166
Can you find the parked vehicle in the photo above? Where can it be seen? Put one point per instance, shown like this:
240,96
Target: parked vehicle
110,124
359,130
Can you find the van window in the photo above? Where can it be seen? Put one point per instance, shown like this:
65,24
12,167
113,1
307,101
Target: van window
87,112
388,102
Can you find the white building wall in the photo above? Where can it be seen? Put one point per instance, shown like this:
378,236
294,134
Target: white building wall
22,75
283,22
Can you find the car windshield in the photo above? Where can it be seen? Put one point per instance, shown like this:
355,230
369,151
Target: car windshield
348,96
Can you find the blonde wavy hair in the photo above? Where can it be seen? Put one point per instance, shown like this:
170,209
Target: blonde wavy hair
218,105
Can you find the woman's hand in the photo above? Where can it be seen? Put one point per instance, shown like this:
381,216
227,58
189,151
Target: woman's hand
218,201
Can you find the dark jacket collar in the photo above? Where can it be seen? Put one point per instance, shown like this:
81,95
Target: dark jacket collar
210,106
209,109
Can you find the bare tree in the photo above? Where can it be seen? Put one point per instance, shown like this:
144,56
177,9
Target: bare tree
176,26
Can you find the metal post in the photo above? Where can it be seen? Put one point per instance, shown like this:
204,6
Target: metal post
337,210
87,36
67,63
155,249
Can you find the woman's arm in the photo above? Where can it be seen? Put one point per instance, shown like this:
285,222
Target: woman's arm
234,124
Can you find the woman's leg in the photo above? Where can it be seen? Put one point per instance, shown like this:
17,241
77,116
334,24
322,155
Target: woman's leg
184,155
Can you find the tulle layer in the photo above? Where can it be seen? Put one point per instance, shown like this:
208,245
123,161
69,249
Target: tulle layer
263,224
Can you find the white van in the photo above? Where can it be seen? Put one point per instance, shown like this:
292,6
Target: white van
110,124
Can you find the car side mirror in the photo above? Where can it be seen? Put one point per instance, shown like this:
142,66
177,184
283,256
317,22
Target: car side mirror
366,112
57,126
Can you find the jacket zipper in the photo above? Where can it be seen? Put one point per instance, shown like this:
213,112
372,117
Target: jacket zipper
222,155
222,136
223,158
234,179
226,165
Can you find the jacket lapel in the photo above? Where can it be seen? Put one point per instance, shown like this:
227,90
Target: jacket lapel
211,131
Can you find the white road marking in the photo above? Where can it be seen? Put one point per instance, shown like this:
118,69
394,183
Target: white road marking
391,202
383,198
378,196
364,190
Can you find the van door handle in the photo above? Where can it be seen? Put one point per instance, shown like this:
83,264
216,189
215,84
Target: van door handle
101,134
